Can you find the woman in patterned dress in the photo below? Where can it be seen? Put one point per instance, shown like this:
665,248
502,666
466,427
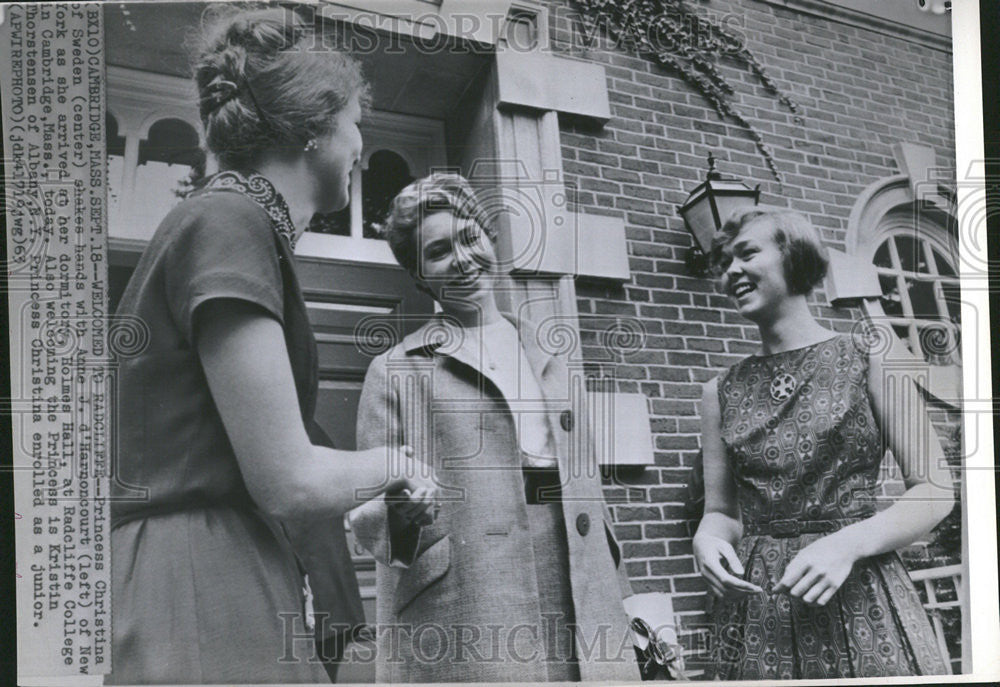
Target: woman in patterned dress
215,461
801,562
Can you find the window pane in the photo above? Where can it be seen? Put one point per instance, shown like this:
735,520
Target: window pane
925,305
521,32
944,265
337,223
172,141
909,254
891,300
166,160
952,294
387,175
882,257
920,294
115,143
938,343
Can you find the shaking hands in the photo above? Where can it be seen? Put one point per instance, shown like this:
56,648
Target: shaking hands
416,502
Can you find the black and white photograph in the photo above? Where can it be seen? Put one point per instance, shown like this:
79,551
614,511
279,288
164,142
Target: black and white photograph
498,341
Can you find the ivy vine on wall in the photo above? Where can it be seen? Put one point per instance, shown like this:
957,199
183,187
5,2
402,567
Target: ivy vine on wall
689,43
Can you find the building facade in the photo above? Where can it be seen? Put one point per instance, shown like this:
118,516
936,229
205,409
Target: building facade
586,149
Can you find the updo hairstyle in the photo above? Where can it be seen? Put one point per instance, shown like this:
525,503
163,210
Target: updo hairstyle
439,192
805,259
265,81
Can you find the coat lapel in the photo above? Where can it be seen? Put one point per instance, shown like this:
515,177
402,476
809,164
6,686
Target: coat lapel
442,335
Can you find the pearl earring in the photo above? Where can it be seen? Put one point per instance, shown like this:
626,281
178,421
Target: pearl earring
310,145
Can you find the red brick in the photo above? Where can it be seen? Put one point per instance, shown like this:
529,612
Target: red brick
709,345
691,390
634,513
666,530
686,358
628,532
647,585
692,583
672,566
678,547
642,550
660,312
669,494
676,441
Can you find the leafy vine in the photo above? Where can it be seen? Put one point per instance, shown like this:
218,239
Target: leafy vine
683,40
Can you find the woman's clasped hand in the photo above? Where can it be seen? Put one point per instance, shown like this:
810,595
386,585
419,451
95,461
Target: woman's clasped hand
818,570
721,567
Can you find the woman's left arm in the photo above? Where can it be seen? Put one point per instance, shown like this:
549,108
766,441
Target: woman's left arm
817,572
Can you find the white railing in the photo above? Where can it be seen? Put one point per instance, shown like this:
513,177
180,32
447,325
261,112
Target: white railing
936,607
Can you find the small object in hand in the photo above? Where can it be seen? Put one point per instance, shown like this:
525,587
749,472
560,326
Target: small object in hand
657,659
398,497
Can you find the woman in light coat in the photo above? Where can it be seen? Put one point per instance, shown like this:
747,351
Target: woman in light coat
519,578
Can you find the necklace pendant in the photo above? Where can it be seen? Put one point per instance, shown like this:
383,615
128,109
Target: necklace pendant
783,386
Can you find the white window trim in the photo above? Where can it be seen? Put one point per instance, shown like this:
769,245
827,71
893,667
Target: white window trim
866,231
927,236
420,142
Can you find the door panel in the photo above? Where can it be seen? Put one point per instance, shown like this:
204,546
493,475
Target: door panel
338,424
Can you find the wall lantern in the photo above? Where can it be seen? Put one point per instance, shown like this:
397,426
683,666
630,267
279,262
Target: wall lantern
708,207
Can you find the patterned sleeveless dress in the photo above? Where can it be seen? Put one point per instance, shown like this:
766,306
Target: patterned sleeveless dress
805,451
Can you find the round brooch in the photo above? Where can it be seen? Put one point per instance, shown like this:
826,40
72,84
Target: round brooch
782,386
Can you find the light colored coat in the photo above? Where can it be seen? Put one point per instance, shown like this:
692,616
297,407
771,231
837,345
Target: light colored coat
471,575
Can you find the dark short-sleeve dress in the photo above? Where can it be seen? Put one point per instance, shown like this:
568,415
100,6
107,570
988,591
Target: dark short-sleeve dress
805,449
206,589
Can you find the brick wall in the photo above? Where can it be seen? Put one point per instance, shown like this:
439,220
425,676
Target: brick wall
860,91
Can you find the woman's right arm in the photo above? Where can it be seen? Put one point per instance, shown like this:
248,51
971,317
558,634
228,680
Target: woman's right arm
244,355
720,528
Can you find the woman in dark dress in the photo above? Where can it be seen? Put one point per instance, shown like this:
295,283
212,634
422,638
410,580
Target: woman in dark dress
214,458
804,568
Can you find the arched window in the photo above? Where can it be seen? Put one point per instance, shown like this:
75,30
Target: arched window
385,174
920,288
913,246
166,158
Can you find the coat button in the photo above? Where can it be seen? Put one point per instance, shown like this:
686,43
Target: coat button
566,420
583,524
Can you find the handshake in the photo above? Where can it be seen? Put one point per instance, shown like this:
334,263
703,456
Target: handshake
415,499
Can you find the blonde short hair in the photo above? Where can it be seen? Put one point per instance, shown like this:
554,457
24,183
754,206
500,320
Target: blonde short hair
805,258
439,192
